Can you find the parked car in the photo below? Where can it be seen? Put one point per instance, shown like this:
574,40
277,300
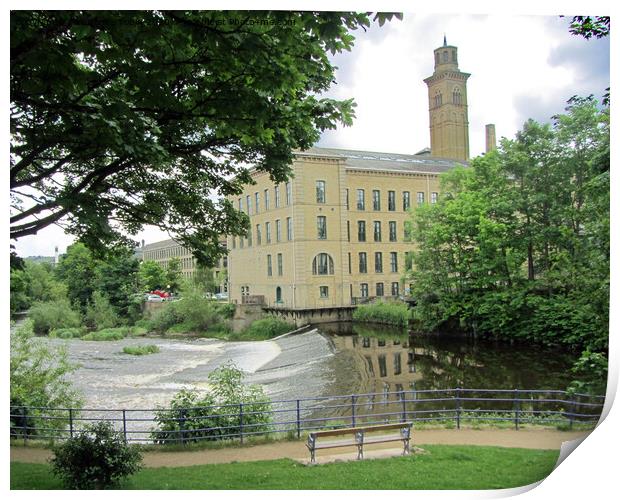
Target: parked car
221,296
154,298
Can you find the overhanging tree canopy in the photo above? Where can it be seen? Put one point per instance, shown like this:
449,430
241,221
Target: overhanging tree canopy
127,118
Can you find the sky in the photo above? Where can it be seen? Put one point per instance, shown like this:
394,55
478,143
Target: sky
521,66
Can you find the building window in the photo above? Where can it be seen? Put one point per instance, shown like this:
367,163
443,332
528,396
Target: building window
349,262
256,203
320,191
378,262
234,242
392,224
348,231
361,230
278,295
248,204
361,204
324,292
420,197
364,289
407,230
393,262
278,230
376,199
406,200
434,197
321,227
240,202
289,229
395,288
456,96
266,199
391,201
280,266
408,261
268,232
249,236
240,241
379,290
288,193
323,264
445,56
438,99
346,198
269,269
363,267
377,230
259,238
276,192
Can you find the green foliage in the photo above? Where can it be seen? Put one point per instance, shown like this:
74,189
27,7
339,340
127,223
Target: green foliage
518,245
34,282
99,313
109,334
215,414
591,374
152,276
141,350
47,316
67,333
193,313
143,131
264,329
77,270
174,277
38,379
117,279
391,313
97,458
204,279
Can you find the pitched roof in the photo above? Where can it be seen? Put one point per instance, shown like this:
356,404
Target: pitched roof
372,160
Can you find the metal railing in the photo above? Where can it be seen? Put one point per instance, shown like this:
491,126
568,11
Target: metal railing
297,416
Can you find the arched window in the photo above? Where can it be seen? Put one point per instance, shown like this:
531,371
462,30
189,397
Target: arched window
323,264
456,96
453,55
436,57
445,56
438,99
278,294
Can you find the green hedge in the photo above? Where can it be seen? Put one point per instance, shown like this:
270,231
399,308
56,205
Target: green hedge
391,313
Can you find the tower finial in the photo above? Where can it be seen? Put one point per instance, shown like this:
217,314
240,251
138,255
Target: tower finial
445,43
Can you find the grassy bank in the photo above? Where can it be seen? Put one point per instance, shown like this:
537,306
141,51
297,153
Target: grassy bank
389,313
440,467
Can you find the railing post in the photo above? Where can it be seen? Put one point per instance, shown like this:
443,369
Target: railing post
404,402
458,408
125,425
241,422
70,422
298,421
353,398
24,424
182,424
573,410
517,408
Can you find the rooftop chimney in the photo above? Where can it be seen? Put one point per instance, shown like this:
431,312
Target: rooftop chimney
490,136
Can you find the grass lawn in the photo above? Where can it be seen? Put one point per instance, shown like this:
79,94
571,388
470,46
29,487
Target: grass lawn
442,467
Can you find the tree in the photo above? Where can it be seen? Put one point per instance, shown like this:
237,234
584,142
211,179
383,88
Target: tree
152,276
117,278
518,245
204,279
173,274
77,269
126,118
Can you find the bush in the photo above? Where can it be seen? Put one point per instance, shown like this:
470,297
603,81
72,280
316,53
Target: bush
109,334
99,313
37,380
47,316
191,418
141,350
266,328
67,333
97,458
391,313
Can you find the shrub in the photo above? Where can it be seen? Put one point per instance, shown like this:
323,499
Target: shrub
266,328
109,334
51,315
97,458
391,313
215,415
99,313
141,350
67,333
38,379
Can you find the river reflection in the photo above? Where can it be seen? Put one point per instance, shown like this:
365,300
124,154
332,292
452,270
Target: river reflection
388,359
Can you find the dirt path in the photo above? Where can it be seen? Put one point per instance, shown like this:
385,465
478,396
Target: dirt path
526,438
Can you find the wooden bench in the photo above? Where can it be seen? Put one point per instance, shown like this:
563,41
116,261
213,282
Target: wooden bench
358,436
